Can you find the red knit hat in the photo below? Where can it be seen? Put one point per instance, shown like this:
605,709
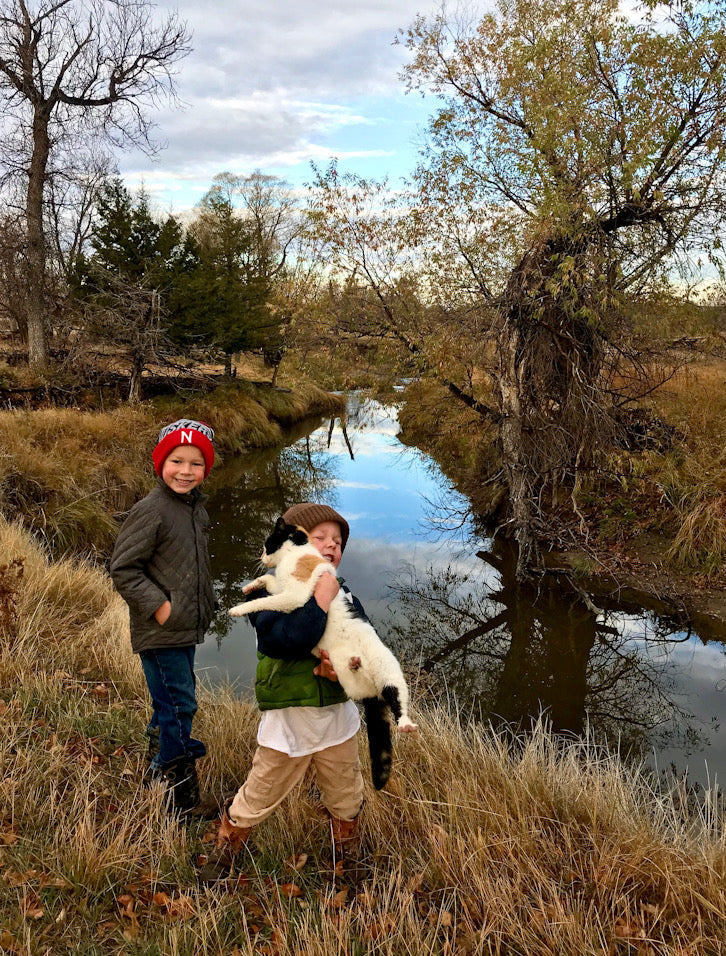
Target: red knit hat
184,432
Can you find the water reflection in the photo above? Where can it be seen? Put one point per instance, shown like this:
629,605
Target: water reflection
247,496
448,601
513,651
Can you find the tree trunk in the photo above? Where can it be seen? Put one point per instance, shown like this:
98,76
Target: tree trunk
516,467
37,333
137,369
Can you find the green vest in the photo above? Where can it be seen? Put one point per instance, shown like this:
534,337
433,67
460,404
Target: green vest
293,684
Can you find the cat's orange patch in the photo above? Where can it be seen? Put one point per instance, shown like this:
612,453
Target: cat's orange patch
305,567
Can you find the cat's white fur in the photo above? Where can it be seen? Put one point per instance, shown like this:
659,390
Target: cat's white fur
363,663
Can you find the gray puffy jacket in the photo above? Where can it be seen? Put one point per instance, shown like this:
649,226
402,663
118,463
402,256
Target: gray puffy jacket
161,554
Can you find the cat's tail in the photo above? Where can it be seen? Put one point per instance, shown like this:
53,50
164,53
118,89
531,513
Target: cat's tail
379,740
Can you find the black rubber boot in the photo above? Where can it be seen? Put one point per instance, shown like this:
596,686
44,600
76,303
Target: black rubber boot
152,772
153,750
183,789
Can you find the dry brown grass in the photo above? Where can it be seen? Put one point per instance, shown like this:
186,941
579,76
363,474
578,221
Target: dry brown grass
67,474
476,846
692,477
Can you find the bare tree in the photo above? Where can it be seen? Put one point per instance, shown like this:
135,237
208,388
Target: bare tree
12,275
128,314
70,69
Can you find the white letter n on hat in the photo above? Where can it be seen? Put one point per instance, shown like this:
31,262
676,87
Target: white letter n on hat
187,437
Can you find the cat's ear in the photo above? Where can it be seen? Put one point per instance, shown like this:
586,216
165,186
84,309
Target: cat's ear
299,536
280,525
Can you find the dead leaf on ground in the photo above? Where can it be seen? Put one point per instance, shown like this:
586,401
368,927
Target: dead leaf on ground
210,834
414,882
340,898
176,907
628,929
298,861
8,836
381,927
14,878
290,890
57,882
8,942
127,905
31,908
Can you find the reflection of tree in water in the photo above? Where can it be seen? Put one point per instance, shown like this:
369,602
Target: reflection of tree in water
517,650
247,495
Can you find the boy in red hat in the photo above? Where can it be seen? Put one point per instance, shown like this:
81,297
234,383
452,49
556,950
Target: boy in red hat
160,566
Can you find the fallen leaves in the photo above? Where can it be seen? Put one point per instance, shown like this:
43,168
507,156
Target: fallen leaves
30,906
179,907
290,890
298,861
37,877
8,943
340,898
8,835
628,928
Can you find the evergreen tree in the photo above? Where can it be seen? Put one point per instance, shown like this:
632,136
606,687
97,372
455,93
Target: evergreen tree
228,294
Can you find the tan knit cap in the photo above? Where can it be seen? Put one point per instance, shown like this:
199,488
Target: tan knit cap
308,515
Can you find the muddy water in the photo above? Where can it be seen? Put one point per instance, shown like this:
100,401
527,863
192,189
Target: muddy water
445,597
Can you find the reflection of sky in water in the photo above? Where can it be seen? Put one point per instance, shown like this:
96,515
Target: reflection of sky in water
403,517
698,675
384,492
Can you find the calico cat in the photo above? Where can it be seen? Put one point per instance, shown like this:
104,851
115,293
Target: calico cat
366,668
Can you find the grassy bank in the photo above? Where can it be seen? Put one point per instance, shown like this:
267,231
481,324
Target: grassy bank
475,847
667,493
66,473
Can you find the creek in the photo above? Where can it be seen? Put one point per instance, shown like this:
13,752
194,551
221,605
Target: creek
443,595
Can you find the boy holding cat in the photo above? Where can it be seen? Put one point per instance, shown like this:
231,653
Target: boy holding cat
160,566
306,716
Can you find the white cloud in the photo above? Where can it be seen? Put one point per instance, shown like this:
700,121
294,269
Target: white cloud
274,85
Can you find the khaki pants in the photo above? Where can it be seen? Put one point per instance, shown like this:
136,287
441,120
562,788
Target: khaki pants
275,774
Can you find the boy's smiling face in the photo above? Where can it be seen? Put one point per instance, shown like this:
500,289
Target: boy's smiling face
183,469
328,539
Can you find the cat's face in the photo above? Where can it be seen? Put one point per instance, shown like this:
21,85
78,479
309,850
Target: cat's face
283,534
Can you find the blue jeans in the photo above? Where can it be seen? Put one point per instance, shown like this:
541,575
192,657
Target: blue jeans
170,677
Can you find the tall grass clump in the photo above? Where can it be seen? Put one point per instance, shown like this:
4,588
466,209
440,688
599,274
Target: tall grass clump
480,844
691,478
65,473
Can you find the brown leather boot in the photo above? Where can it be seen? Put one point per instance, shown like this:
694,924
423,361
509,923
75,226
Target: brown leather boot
347,862
230,840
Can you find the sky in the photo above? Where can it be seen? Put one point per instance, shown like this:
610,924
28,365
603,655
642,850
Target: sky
275,84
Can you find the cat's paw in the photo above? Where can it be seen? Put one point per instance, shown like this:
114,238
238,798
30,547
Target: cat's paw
257,585
239,610
355,663
407,726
